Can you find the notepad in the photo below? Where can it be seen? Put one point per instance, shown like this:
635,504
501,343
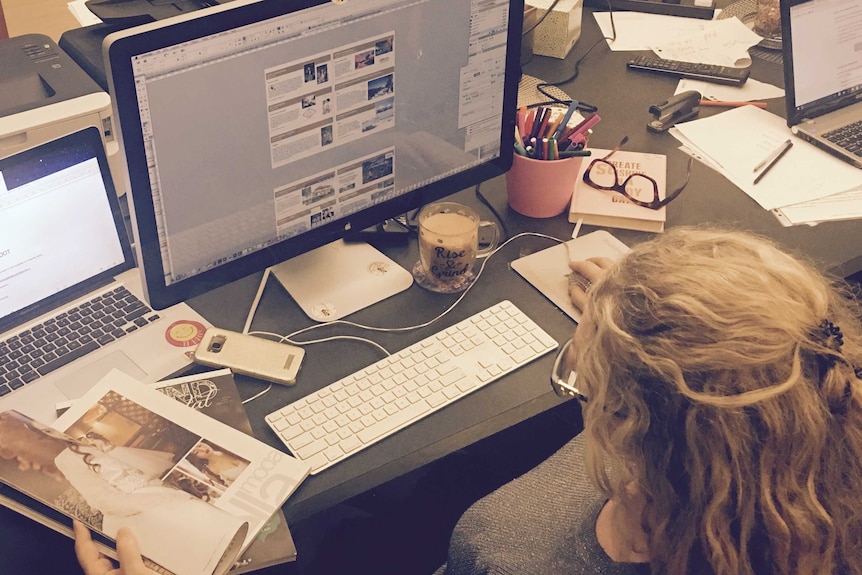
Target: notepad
548,270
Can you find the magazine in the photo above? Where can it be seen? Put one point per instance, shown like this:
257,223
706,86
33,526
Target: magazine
127,455
215,393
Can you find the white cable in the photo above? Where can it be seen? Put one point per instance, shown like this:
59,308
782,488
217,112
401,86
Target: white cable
255,396
434,319
256,301
285,338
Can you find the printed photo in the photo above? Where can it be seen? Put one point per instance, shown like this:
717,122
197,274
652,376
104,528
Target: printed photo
308,69
216,463
363,59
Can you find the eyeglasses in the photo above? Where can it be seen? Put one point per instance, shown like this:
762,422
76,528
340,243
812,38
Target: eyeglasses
602,175
563,379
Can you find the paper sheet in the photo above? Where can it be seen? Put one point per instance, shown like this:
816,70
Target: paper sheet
737,140
722,42
641,31
751,90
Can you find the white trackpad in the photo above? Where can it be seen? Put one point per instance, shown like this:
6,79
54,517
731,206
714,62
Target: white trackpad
79,382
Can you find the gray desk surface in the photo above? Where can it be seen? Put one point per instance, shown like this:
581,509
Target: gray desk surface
623,98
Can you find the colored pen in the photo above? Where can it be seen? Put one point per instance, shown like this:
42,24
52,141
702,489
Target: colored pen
772,159
575,153
522,120
727,104
566,117
552,126
528,124
581,128
553,152
520,149
537,123
518,138
543,127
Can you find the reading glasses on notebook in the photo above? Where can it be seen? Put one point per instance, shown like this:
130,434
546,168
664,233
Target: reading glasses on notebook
602,174
564,378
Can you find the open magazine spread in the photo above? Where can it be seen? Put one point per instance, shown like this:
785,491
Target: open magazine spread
215,394
194,491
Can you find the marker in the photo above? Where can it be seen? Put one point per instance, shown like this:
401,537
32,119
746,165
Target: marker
585,125
522,120
575,153
565,121
528,124
537,123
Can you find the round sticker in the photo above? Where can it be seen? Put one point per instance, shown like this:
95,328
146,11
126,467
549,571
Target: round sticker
185,333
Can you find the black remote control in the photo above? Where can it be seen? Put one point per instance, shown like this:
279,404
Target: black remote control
705,72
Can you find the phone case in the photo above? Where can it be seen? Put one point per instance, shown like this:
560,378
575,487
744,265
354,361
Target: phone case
250,355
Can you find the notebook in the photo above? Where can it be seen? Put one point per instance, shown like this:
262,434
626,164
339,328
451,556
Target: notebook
822,50
63,242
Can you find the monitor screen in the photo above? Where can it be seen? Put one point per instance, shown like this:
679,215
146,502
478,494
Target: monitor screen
258,130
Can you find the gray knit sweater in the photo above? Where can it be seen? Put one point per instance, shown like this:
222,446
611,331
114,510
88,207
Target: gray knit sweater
540,523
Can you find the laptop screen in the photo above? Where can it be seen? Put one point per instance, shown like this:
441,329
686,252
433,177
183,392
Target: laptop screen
60,218
822,55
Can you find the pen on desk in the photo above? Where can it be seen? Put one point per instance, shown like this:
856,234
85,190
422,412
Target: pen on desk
730,104
772,159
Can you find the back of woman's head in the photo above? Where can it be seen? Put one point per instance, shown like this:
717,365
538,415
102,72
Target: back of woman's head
717,386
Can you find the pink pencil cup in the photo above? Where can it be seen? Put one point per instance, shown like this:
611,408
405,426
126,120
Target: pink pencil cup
541,188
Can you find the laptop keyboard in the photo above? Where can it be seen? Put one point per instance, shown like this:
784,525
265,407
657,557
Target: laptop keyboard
848,137
47,346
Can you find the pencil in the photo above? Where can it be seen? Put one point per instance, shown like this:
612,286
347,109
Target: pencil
730,104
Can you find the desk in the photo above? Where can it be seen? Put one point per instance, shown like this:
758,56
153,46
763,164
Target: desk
623,98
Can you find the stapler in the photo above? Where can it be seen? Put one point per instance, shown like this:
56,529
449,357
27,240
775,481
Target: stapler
681,107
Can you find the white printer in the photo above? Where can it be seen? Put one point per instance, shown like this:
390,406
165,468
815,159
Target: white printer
44,94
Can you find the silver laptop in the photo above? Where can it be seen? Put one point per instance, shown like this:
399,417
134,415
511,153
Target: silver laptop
822,49
71,305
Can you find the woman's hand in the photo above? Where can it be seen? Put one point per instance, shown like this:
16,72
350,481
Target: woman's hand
94,563
584,274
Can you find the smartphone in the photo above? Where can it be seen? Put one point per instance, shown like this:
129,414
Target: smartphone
250,355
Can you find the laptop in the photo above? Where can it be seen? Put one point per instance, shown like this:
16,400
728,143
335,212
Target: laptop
822,48
66,267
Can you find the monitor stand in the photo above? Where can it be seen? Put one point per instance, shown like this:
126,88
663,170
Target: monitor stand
340,278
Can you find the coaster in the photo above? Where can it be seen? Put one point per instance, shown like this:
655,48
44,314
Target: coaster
422,280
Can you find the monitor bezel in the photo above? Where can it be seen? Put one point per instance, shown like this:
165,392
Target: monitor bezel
120,48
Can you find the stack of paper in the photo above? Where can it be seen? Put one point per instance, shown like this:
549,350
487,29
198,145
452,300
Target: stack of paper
806,186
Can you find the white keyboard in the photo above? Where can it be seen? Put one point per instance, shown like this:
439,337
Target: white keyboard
358,410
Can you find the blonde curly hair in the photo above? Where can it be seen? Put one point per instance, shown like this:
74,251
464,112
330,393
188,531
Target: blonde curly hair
716,390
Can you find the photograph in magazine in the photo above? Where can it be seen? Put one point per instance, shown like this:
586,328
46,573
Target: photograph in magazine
122,474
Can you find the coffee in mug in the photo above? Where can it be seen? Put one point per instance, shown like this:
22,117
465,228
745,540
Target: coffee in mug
449,246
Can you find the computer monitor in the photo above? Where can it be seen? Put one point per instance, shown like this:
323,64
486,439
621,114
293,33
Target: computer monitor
258,130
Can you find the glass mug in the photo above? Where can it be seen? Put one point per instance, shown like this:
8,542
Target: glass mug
449,246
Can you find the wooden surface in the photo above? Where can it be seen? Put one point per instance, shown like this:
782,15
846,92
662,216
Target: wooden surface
50,17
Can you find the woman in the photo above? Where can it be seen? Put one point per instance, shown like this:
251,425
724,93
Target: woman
723,425
218,465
